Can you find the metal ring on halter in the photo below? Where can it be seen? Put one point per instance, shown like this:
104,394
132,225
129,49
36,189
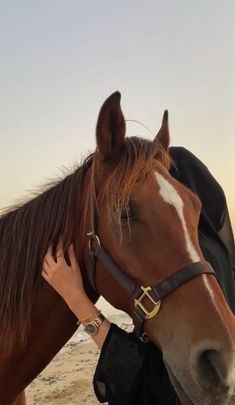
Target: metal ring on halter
144,337
93,238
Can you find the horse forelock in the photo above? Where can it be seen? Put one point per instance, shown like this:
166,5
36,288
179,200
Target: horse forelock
137,158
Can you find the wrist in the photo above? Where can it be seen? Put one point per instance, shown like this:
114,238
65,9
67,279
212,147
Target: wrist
81,306
76,296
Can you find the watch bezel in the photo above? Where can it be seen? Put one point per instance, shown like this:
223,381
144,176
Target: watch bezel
91,328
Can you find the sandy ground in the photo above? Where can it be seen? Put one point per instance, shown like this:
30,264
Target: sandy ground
68,378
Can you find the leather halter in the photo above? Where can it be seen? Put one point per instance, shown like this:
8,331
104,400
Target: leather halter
140,294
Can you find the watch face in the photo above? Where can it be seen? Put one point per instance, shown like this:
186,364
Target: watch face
91,329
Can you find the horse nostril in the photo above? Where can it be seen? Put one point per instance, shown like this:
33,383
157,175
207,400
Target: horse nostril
213,370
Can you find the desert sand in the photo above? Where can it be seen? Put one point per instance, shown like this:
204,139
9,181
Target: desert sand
67,380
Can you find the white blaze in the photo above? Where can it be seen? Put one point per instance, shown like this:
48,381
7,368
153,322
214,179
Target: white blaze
172,197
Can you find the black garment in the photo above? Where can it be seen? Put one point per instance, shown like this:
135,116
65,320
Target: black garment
215,232
130,372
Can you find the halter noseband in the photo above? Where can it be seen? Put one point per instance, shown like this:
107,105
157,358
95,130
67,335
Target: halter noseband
154,294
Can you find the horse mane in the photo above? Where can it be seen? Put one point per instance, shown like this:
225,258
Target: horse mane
27,230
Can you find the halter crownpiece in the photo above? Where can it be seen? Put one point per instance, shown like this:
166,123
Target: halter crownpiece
154,294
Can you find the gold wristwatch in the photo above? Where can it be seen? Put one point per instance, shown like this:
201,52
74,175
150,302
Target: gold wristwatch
92,327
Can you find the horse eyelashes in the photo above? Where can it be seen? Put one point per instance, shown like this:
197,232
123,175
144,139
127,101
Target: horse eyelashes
128,214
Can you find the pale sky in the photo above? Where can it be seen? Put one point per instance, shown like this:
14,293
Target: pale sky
61,59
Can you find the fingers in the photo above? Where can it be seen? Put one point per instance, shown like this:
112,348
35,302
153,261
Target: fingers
45,268
48,257
49,263
60,252
72,257
44,273
45,262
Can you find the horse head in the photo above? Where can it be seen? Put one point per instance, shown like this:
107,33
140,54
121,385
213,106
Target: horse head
148,223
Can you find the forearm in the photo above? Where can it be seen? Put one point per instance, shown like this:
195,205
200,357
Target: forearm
85,310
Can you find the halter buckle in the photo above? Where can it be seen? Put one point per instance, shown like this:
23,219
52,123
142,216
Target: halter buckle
139,302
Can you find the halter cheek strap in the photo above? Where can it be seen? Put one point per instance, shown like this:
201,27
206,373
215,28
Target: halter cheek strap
141,294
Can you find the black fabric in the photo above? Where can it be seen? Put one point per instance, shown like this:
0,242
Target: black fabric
130,372
133,373
215,231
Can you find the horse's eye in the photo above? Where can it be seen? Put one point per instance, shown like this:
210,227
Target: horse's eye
125,216
129,214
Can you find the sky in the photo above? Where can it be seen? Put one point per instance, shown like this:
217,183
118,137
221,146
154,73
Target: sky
61,59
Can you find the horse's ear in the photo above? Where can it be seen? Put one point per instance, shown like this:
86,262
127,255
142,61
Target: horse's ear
111,128
163,135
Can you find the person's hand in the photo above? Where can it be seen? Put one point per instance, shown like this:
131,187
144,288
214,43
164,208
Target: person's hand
65,279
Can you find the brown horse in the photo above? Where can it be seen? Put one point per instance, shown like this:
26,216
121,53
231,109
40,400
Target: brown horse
148,222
